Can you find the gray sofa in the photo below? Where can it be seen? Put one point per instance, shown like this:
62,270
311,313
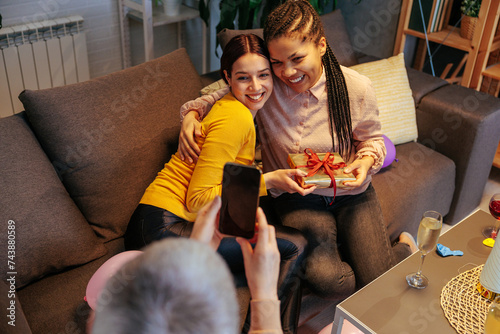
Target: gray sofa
74,165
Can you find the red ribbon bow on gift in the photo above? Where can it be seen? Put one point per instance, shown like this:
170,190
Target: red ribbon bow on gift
315,163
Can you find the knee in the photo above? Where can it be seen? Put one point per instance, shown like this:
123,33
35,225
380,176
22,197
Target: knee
291,242
329,279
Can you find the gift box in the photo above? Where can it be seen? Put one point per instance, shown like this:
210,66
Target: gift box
314,164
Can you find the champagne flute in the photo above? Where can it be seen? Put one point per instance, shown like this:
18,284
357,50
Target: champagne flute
492,231
428,234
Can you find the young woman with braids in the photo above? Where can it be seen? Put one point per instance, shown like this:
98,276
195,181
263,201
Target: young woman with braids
320,105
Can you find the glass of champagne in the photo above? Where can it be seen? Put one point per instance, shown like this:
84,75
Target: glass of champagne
492,323
428,234
492,231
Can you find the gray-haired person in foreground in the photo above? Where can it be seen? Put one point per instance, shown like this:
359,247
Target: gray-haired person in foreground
183,286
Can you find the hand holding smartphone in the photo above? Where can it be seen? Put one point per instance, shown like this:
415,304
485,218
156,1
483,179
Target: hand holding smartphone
240,199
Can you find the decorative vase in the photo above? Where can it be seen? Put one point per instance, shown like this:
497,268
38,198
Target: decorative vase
467,26
172,7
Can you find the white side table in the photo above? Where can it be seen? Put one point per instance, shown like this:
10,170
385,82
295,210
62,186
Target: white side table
153,17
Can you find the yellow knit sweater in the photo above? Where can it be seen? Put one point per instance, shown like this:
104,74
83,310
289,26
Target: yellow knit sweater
228,135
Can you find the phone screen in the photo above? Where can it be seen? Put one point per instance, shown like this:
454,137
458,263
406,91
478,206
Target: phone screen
240,198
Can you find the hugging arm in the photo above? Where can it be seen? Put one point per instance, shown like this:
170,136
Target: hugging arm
191,113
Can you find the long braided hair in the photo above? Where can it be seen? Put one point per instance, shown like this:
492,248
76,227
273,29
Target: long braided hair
297,18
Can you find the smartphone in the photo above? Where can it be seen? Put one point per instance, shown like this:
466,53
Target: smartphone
240,199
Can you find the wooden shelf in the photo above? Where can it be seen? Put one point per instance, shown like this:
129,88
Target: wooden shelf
486,39
151,16
444,37
477,49
492,72
160,19
496,43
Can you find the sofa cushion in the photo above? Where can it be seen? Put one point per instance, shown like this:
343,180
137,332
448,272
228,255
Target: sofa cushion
428,174
15,322
108,137
335,31
47,232
55,304
394,97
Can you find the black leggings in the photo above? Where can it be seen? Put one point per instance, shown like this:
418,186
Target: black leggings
150,223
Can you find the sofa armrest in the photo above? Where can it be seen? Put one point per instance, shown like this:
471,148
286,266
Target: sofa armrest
422,83
462,124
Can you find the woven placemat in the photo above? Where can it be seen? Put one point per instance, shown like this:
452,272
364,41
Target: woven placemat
462,304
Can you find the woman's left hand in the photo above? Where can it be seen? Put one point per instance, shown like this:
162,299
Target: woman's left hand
359,168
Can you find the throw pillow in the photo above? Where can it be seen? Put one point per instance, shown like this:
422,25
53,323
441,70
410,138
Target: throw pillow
108,137
42,229
394,97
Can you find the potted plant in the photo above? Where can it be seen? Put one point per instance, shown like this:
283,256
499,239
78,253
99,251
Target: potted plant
470,11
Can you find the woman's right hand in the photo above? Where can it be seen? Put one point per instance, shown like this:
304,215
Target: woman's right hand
282,179
262,263
190,128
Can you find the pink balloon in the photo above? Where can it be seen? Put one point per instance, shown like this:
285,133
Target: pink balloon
347,328
101,276
391,152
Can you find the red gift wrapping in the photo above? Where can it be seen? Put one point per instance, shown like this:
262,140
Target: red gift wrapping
322,169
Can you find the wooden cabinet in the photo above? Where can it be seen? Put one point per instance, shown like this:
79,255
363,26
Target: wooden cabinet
477,49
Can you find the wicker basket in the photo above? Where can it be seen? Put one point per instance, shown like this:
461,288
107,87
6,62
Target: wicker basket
467,26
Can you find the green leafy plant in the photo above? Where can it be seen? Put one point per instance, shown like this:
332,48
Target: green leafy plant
470,7
248,11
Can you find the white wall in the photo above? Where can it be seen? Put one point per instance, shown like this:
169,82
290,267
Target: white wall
101,24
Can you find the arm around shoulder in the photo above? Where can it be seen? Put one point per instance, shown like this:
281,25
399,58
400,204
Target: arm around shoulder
203,104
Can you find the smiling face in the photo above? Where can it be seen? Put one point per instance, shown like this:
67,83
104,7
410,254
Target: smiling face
297,62
251,80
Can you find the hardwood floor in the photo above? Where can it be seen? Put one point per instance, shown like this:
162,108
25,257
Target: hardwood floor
317,313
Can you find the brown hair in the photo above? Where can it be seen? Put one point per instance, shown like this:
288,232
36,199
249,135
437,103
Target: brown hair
239,46
300,19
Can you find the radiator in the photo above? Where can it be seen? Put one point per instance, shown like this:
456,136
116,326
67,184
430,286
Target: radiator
40,55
